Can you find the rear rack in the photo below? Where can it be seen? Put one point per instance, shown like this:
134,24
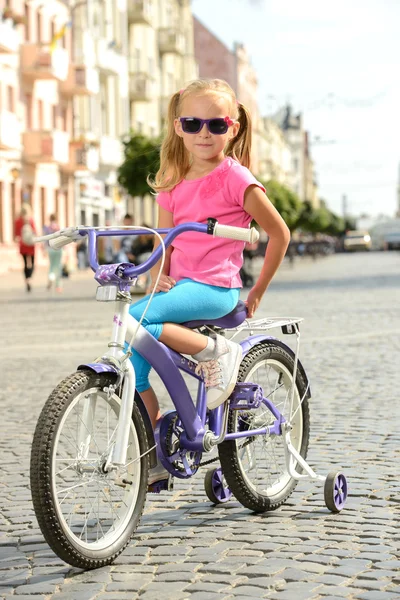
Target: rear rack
288,324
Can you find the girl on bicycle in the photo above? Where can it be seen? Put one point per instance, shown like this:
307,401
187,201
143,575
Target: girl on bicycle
204,172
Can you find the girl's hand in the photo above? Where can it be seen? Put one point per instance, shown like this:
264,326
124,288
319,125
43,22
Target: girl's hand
165,283
253,301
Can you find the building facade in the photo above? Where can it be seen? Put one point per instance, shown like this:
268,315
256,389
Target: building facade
303,175
101,116
64,106
275,154
161,61
217,61
36,117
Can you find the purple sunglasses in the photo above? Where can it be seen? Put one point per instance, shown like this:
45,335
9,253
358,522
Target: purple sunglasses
217,126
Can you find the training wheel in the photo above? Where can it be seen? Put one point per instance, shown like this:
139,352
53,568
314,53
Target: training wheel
335,491
217,491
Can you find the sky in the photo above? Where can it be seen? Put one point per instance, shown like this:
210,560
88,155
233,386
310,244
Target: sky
338,62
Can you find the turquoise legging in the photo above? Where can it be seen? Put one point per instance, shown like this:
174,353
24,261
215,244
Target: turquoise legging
188,300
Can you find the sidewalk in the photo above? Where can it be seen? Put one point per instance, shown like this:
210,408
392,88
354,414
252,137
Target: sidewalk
14,280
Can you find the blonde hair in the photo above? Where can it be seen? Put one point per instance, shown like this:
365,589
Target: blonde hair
175,159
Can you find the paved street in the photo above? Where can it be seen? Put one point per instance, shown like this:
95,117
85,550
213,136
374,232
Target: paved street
185,548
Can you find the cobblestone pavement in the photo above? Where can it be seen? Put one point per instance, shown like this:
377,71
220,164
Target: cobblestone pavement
185,548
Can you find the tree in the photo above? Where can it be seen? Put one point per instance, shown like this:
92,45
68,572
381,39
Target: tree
286,202
142,158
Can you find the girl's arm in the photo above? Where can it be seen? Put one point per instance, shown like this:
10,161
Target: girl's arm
265,214
165,221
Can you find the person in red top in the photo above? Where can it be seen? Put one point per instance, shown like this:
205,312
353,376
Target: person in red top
26,250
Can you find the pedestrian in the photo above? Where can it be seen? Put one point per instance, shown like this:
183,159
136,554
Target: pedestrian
24,230
204,172
125,250
55,257
105,247
81,254
141,249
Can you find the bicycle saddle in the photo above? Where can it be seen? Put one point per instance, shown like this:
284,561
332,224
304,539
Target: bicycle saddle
233,319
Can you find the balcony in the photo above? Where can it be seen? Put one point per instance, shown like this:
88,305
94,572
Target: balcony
38,62
81,81
139,11
8,38
10,136
46,147
171,40
15,12
109,59
141,87
82,157
110,151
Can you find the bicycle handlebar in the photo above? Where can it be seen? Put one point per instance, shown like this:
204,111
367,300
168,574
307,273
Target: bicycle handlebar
72,234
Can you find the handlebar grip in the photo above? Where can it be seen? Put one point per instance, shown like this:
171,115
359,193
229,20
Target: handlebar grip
59,242
236,233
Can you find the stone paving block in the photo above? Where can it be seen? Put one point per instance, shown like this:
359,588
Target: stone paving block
211,588
223,578
133,584
86,591
302,528
248,591
44,587
31,597
378,595
208,596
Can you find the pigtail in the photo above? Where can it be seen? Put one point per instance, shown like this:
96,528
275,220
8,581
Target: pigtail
239,147
174,158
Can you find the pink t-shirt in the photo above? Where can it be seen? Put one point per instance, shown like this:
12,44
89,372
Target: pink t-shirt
220,194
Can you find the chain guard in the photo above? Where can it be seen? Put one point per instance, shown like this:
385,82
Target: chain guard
179,462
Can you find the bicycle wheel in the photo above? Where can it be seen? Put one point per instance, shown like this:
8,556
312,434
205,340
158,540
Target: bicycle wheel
86,513
255,468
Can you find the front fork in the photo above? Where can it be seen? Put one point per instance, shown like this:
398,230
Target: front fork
119,359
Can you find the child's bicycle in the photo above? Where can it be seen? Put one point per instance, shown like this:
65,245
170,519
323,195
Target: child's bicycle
94,445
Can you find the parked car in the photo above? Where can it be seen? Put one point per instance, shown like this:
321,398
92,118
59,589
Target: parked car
357,240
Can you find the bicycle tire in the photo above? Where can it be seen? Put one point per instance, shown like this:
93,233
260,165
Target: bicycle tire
238,480
45,502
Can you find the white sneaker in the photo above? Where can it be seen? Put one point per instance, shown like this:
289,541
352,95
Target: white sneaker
220,374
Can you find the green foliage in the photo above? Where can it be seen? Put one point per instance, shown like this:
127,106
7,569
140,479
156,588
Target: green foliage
142,158
302,215
285,201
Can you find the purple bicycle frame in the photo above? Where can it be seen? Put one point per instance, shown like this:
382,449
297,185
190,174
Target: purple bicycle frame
168,363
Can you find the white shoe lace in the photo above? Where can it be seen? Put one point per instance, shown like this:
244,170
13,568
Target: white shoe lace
211,371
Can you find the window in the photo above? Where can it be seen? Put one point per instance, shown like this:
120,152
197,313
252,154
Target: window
27,28
26,194
66,215
136,60
103,108
10,99
53,29
57,204
151,66
40,113
13,200
39,29
170,84
54,116
29,111
43,207
64,118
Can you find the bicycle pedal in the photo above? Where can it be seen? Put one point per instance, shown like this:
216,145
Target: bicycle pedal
163,485
121,482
